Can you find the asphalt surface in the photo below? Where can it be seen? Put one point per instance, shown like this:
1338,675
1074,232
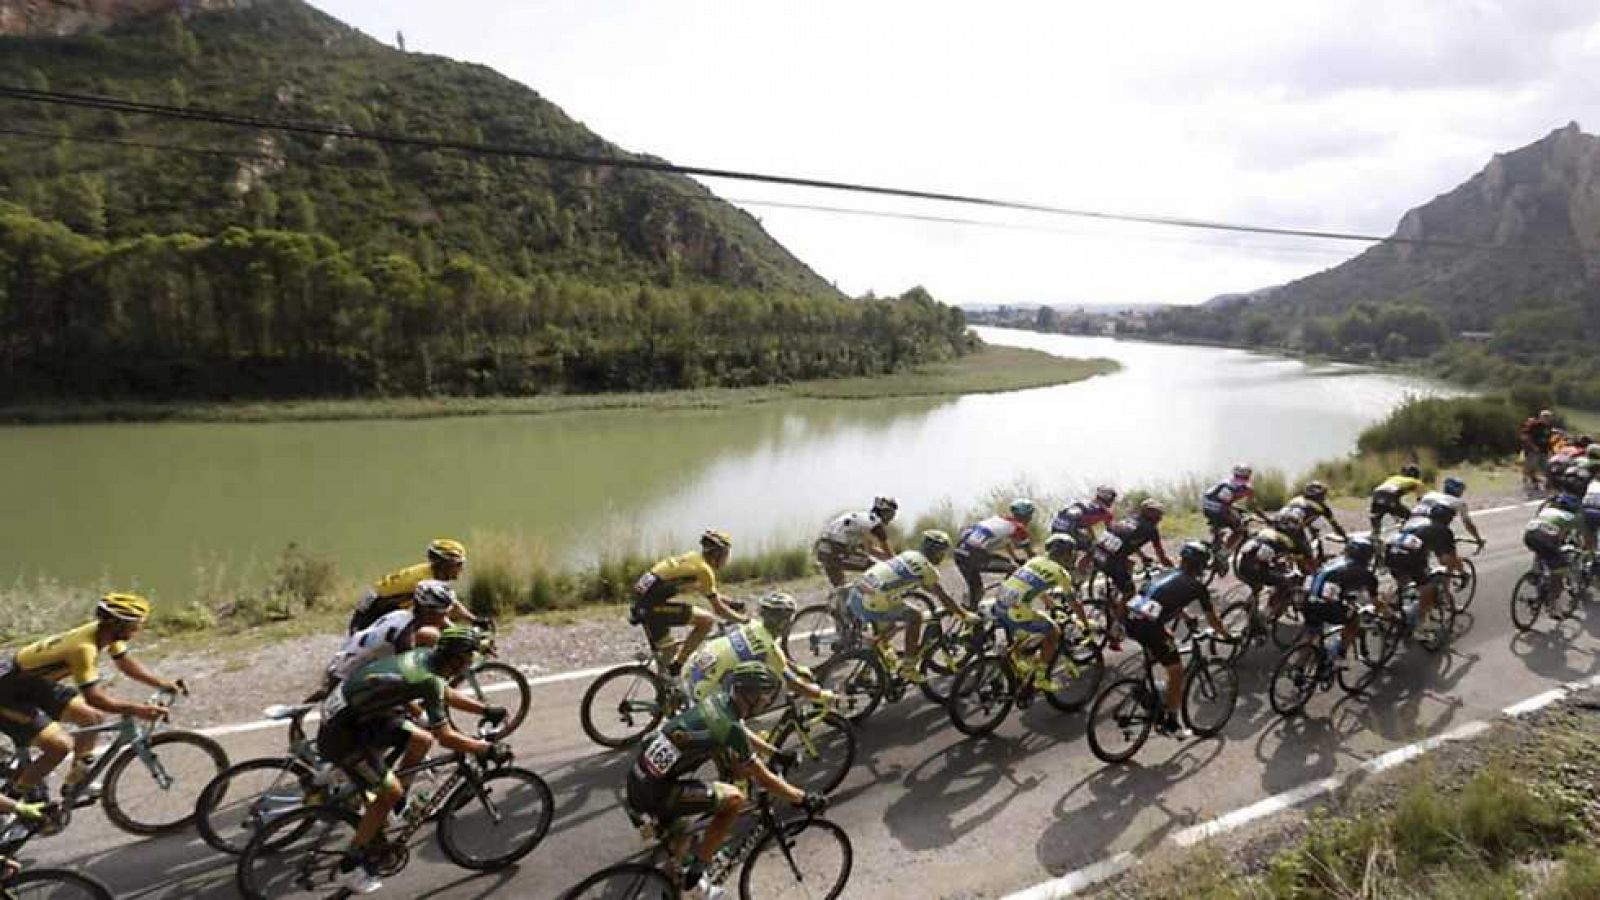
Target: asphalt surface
932,813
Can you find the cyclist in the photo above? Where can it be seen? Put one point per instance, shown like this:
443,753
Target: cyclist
1591,497
1547,534
1218,505
662,782
1158,606
1079,519
877,598
1114,550
1341,583
1386,497
1275,557
34,701
1453,496
392,633
1535,435
850,536
759,641
981,542
1312,501
367,717
655,606
1040,576
1407,553
394,591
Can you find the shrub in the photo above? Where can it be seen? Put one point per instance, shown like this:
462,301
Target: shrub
1579,878
1453,429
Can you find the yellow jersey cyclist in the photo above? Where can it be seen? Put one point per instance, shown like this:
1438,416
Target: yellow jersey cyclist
1387,497
758,642
662,782
877,598
1312,501
982,542
392,633
34,701
446,558
367,718
852,536
1041,576
655,603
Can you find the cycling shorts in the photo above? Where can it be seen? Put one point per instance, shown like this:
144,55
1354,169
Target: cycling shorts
1154,638
1257,574
1387,503
671,800
1548,549
856,603
1591,518
1323,614
359,746
1022,617
29,704
1119,571
1221,515
658,619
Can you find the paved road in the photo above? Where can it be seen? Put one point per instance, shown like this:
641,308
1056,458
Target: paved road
973,818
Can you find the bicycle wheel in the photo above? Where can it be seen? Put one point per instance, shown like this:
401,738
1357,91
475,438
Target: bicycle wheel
1238,617
1465,584
628,881
159,796
245,797
982,696
1076,692
859,680
815,636
807,858
54,884
623,705
1435,632
1120,720
1294,679
945,650
1210,693
304,865
497,821
1287,626
1526,600
826,747
497,683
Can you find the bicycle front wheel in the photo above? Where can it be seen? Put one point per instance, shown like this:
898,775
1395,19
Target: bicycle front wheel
809,859
495,683
160,796
623,705
1120,720
826,747
1294,680
1526,600
497,821
1077,691
297,856
1209,695
1436,631
981,697
248,796
815,636
1465,585
859,680
54,884
628,881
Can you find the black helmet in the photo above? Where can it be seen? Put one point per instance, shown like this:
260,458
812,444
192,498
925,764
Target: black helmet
1316,490
1454,486
885,507
1411,470
1106,494
754,683
1360,550
1194,555
1442,513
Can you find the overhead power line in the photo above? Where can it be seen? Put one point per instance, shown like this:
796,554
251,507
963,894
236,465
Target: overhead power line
243,120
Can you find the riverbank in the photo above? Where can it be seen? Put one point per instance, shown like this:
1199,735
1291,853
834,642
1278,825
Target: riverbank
991,369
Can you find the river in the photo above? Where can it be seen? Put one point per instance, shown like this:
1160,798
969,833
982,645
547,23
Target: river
166,507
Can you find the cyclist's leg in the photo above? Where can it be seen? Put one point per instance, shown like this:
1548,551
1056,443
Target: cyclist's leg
828,558
970,563
55,702
1157,642
358,749
910,618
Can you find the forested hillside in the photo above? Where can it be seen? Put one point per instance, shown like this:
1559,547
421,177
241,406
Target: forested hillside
255,263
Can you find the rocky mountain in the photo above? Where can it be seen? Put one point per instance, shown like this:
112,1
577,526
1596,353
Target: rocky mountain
64,17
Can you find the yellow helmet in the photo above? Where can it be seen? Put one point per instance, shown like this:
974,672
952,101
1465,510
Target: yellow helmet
445,550
715,539
124,607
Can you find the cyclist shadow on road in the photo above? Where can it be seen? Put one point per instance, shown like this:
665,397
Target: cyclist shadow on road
1550,651
1397,706
1305,747
1102,805
957,789
587,787
165,867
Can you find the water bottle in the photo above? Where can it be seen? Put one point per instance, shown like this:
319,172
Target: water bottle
1411,611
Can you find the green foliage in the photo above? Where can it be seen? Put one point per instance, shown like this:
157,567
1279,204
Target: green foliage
1579,878
1453,429
1356,475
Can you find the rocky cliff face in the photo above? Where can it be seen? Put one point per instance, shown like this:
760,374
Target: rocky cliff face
63,17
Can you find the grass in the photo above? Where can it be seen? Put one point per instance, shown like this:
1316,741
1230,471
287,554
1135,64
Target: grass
989,370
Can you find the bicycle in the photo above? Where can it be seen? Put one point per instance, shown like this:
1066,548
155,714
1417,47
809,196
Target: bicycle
865,673
1534,591
1252,625
1436,632
247,796
302,850
807,857
489,675
649,695
991,683
58,884
1309,667
1130,708
173,760
1465,582
1222,557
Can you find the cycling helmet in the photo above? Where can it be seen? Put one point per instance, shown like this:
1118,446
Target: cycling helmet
885,507
1022,508
1592,451
1567,502
1442,513
1315,490
1411,470
1152,510
935,544
1454,486
456,641
1106,494
777,611
123,607
433,595
1584,441
1360,550
1194,556
445,550
1290,517
1243,472
715,540
754,683
1060,543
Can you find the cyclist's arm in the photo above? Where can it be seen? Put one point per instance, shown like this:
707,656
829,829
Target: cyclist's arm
1212,618
454,740
878,544
138,671
95,695
1161,552
758,772
757,742
460,613
464,702
722,609
949,603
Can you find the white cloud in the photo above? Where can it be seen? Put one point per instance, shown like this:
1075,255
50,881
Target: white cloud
1336,115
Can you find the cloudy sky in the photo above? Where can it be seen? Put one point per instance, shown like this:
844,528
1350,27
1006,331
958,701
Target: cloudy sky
1328,115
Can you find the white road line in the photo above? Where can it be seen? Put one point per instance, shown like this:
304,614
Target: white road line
1079,880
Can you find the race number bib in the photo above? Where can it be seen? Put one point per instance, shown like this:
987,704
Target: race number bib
1144,608
1410,543
661,756
1330,593
1109,542
645,583
333,705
